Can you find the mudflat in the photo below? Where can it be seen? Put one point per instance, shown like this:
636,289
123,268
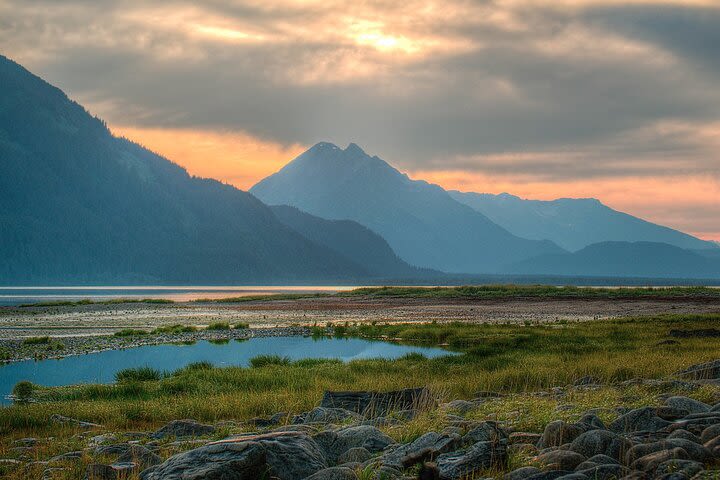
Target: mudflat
104,319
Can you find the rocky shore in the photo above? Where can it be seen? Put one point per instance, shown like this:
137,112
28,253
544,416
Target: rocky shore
343,438
15,350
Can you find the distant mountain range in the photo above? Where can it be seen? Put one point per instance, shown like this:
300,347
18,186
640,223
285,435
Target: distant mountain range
420,221
572,223
624,259
82,206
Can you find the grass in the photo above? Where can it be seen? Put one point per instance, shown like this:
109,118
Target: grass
36,340
522,291
511,359
140,374
218,326
175,329
130,332
241,326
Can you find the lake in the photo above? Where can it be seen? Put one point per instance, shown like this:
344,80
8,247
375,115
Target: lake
19,295
101,367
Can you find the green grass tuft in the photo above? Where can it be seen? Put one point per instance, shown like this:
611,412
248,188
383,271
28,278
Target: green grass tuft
139,374
267,360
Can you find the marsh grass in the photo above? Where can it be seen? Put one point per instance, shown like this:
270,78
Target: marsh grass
36,340
139,374
218,326
130,332
513,360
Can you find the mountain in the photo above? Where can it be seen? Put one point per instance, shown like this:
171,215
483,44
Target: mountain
624,259
420,221
572,223
350,240
82,206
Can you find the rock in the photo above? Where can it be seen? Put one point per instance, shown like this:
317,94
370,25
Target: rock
670,413
285,455
591,421
560,460
372,403
427,446
693,450
459,406
71,421
685,403
101,439
329,415
485,432
604,472
97,471
516,438
600,442
687,468
651,461
680,433
183,428
335,443
429,471
355,454
640,419
521,473
702,371
480,456
556,475
334,473
710,432
75,455
559,432
596,460
140,456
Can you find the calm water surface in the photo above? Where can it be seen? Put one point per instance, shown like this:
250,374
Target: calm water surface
20,295
101,367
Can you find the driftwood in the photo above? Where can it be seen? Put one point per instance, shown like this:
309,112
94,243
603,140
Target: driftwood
372,404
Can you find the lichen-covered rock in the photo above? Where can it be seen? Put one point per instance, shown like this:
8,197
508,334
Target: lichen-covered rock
560,460
284,455
702,371
354,455
601,442
688,404
184,428
334,473
640,419
424,447
559,433
485,432
480,456
328,415
651,461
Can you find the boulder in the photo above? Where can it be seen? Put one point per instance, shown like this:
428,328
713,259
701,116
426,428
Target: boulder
327,415
650,462
335,443
689,404
427,446
640,419
284,455
604,472
680,433
183,428
480,456
687,468
521,473
372,403
559,433
98,471
560,460
591,421
595,461
702,371
601,442
74,422
485,432
334,473
140,456
710,432
693,450
354,455
519,438
459,406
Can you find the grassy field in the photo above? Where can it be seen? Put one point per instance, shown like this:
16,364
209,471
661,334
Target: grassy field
513,360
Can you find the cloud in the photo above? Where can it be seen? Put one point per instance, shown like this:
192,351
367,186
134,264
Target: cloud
558,91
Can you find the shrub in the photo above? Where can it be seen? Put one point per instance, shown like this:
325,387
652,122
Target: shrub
175,329
56,346
139,374
219,326
129,332
22,391
266,360
241,326
219,341
36,340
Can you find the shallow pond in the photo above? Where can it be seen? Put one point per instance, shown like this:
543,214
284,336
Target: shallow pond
101,367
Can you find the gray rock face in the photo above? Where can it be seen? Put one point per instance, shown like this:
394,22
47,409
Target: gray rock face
559,433
285,455
640,419
335,443
184,428
354,455
601,442
371,403
427,446
560,460
463,464
688,404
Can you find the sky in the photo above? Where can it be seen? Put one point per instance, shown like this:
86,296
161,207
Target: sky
617,100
